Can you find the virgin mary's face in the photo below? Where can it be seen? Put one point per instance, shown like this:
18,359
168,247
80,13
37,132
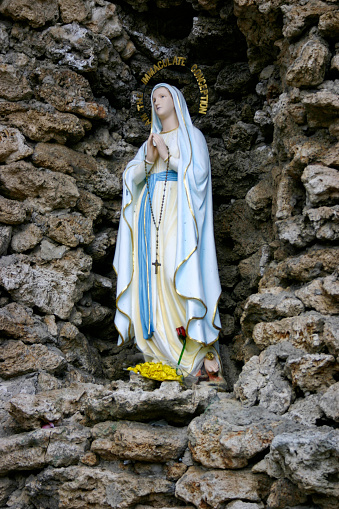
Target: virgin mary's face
163,102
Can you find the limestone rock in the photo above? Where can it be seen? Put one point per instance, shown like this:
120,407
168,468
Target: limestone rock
73,10
69,92
40,124
43,190
36,12
28,451
329,402
12,145
260,196
322,184
89,204
321,295
77,349
318,261
329,24
322,107
309,66
305,331
138,441
283,493
306,410
100,403
77,487
67,229
228,435
103,244
104,20
18,359
12,211
299,17
217,487
76,47
53,287
268,306
20,323
295,231
262,379
5,238
23,385
239,504
26,238
324,221
7,486
312,372
297,453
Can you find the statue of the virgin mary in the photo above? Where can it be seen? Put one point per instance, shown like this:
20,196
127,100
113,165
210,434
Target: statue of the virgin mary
165,259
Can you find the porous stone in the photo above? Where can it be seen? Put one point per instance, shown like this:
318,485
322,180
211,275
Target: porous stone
26,238
321,295
69,92
5,238
228,435
295,454
19,322
138,442
322,107
298,17
122,400
321,183
329,402
42,190
312,372
53,287
284,492
217,487
308,68
73,10
305,331
67,229
324,222
12,211
306,410
36,12
89,204
267,306
295,231
98,487
17,359
12,145
61,446
7,486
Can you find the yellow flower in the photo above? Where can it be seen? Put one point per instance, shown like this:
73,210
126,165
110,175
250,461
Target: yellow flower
156,371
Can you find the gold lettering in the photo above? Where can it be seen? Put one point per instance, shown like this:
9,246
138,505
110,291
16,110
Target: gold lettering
140,107
145,119
151,72
145,79
194,67
161,64
156,68
166,62
175,62
183,61
204,92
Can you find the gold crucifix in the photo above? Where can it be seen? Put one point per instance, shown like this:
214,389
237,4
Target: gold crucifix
156,265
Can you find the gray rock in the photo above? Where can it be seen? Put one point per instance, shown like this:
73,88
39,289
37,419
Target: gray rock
297,453
37,13
321,295
138,441
105,488
67,229
329,402
12,143
26,238
321,183
5,238
229,435
17,359
312,372
311,58
53,287
263,381
12,211
307,410
60,446
217,487
19,322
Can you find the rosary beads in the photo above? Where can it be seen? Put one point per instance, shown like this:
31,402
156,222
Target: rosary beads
157,226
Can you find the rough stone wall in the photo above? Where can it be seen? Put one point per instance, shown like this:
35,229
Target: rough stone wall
69,70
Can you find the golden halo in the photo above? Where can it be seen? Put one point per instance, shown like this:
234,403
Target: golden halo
165,63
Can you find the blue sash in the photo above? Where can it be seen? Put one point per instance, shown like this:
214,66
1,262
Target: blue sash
145,223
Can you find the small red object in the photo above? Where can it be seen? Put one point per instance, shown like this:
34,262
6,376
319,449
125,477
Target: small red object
181,332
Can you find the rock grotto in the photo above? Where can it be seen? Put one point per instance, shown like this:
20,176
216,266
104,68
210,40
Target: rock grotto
76,430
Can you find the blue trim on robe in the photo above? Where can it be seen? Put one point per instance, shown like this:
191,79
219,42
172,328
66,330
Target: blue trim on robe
145,223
